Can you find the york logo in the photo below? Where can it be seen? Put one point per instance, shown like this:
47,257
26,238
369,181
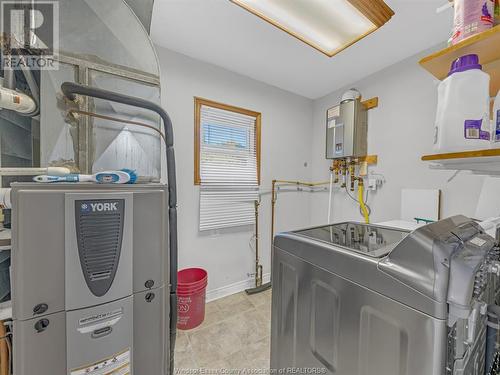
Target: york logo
99,207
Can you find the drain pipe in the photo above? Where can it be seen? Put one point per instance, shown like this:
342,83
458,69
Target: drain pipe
258,266
71,90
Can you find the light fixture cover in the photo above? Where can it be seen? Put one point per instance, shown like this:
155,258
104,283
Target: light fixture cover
327,25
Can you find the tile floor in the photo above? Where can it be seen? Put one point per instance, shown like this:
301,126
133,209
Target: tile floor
235,335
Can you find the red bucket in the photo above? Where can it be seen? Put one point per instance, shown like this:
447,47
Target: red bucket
191,294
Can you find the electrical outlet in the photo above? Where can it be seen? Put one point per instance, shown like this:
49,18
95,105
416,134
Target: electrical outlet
374,181
372,184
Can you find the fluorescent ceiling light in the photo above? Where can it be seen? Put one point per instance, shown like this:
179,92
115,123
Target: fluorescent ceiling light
327,25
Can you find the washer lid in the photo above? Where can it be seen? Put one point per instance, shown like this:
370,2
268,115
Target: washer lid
370,240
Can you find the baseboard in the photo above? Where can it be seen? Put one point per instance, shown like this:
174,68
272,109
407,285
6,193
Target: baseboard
240,286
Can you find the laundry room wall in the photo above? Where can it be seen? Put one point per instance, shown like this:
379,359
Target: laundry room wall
400,131
286,143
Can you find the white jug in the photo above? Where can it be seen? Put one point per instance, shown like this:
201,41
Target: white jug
463,114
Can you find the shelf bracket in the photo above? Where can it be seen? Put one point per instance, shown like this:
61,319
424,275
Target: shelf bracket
369,159
370,103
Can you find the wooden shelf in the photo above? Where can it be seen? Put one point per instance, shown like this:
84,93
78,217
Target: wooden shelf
463,155
484,162
486,45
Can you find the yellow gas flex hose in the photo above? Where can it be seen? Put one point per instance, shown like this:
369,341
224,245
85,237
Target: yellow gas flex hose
364,210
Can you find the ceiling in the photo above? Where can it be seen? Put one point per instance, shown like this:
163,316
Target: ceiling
223,34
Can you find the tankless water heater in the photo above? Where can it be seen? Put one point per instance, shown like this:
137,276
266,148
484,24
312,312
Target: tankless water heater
89,265
347,130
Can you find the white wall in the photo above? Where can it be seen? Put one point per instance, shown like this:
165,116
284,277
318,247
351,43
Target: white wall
286,142
400,132
293,133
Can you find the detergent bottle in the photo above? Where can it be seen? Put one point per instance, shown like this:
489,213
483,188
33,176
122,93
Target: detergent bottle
472,17
463,114
496,123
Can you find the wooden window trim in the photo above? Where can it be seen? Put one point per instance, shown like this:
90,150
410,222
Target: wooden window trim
198,102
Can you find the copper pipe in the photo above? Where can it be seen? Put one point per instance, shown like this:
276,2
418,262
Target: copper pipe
115,119
258,267
274,198
343,172
336,169
352,172
354,178
4,351
301,183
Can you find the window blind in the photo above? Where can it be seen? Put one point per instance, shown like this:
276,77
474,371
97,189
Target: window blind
228,169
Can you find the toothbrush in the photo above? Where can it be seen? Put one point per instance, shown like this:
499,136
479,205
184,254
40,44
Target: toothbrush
52,171
125,176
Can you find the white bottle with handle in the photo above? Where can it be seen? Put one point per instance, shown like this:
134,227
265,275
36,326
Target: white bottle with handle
463,114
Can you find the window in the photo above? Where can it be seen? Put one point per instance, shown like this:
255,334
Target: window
227,164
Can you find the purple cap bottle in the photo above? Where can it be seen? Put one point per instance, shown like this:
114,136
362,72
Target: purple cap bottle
464,63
